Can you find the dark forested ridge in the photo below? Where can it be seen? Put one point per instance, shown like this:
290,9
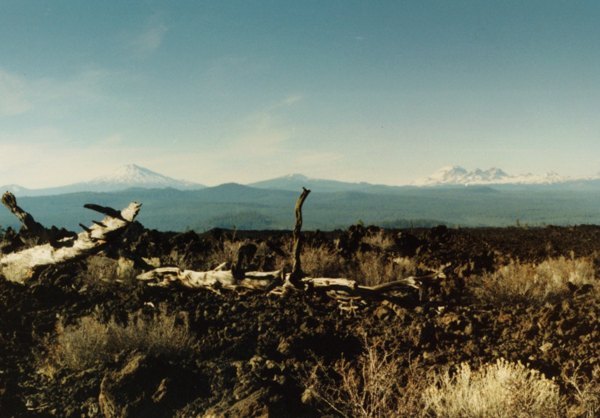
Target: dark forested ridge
246,207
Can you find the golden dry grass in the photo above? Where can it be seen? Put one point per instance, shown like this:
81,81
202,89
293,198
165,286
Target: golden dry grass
535,284
497,390
369,387
90,341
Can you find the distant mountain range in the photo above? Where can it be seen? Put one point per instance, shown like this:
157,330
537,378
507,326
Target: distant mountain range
445,177
459,176
133,176
493,198
295,182
125,177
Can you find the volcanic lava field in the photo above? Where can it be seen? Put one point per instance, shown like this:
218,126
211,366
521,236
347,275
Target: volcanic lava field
88,339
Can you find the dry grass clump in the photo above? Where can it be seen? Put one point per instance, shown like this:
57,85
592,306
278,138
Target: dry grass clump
586,393
370,267
500,390
89,342
379,240
384,383
373,268
370,387
101,268
376,266
316,260
105,269
526,283
407,266
225,252
321,261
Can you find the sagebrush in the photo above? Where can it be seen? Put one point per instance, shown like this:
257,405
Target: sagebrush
92,341
549,281
497,390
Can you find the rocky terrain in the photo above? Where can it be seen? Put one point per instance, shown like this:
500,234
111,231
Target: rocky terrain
248,354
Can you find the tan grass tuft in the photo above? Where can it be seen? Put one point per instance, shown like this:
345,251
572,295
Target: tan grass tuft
526,283
371,387
499,390
89,342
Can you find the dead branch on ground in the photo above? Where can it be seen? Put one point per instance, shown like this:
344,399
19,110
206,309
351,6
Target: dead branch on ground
19,266
224,277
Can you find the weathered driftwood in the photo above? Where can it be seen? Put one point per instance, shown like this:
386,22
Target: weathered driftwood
224,277
349,289
22,265
219,278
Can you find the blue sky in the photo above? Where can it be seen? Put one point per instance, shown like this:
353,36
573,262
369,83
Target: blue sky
213,92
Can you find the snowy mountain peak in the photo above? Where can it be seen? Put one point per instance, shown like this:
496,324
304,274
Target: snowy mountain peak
459,176
132,175
295,176
14,188
445,175
495,174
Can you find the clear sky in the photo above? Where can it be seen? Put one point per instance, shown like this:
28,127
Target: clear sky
219,91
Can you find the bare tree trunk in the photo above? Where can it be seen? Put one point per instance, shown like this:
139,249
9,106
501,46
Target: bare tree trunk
10,201
20,266
297,273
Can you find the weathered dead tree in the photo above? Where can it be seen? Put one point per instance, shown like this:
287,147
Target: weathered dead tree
235,278
340,288
19,266
297,274
347,289
221,277
10,201
224,276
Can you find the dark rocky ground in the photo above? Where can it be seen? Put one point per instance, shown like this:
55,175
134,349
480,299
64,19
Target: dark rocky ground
254,350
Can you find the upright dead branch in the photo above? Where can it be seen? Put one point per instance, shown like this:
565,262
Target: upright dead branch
10,201
24,264
297,273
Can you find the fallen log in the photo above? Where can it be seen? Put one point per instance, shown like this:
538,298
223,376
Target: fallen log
344,289
22,265
234,278
219,278
223,276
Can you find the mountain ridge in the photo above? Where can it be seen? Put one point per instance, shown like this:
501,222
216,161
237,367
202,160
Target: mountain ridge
456,175
125,177
133,176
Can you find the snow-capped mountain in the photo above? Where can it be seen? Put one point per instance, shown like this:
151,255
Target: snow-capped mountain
134,176
125,177
456,175
15,189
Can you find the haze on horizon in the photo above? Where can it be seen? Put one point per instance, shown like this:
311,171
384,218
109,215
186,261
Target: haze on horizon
234,91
